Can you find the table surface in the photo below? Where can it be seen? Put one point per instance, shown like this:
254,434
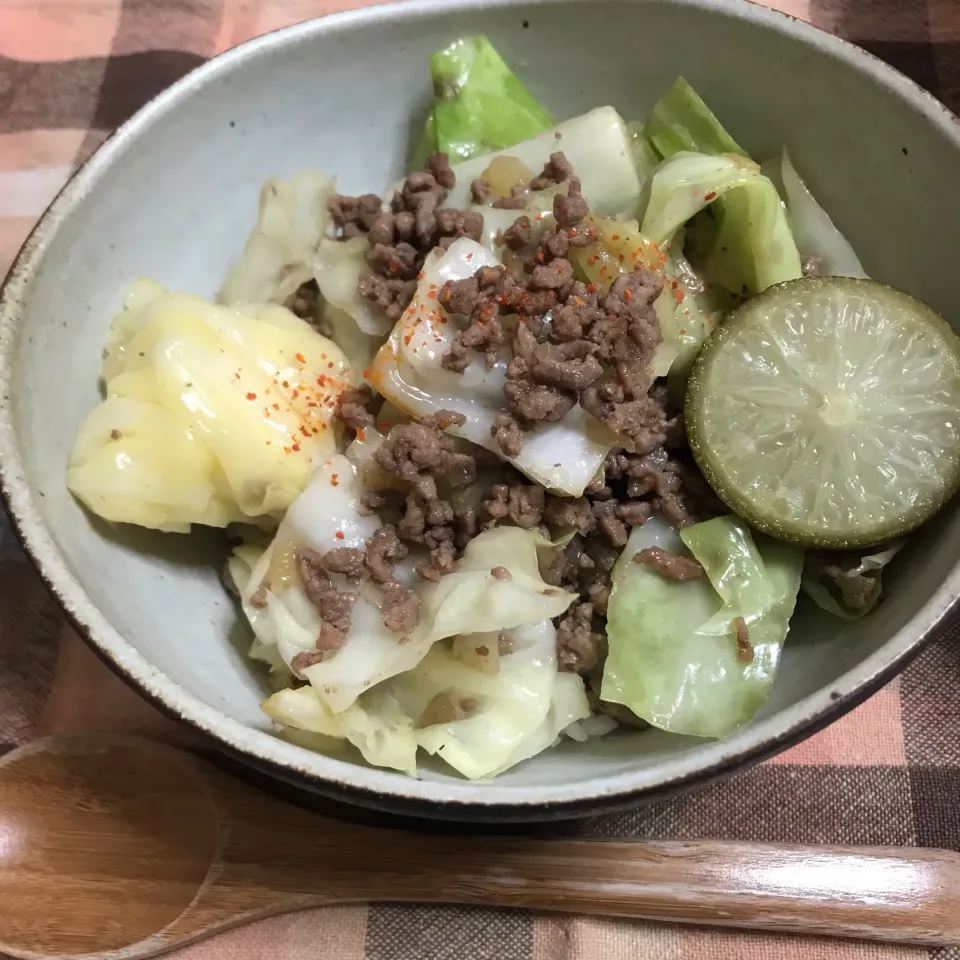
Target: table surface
888,773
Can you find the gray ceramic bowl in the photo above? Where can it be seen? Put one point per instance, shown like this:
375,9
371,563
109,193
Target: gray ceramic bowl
173,194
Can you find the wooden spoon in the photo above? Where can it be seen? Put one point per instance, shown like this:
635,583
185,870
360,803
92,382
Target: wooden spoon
124,848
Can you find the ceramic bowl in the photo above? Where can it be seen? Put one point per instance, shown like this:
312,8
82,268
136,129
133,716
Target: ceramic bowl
173,194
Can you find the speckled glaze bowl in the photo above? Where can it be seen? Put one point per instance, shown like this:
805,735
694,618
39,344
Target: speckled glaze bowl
173,194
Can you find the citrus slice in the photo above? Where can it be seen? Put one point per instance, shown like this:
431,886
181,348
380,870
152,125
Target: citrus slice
827,412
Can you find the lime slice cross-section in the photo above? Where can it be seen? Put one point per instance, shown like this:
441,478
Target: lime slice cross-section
827,412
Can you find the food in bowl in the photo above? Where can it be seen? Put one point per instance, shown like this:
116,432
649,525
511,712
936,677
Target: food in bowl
545,442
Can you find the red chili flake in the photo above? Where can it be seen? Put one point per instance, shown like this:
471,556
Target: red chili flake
571,232
300,357
621,257
603,273
712,195
251,396
539,216
287,451
580,302
312,403
237,376
268,442
393,266
591,287
335,480
276,406
678,295
540,256
592,260
432,294
329,363
296,393
366,374
286,383
323,356
616,236
304,430
628,294
420,275
339,534
468,257
361,436
296,446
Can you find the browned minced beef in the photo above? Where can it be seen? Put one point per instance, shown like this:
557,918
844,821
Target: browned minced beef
306,300
421,453
580,647
501,573
479,191
348,561
671,566
855,590
508,434
401,237
384,549
354,407
401,607
522,503
334,606
424,456
557,169
744,646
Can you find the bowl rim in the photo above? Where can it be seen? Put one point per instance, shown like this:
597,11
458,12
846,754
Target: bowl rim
372,787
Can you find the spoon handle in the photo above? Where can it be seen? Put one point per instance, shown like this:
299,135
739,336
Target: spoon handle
898,895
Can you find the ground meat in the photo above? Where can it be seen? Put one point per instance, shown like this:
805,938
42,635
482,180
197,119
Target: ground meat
570,208
501,573
308,658
744,646
439,165
557,169
353,407
579,646
533,402
421,454
519,234
643,421
479,191
563,513
522,503
557,275
609,524
459,296
517,201
508,434
348,561
400,238
305,302
571,366
400,610
384,549
671,566
354,215
391,295
334,606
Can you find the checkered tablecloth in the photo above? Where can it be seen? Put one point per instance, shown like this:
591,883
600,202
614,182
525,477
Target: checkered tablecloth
889,773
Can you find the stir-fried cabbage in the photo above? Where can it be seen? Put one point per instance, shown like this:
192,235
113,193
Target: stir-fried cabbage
288,247
480,105
564,455
211,414
597,144
470,599
847,585
278,256
680,122
481,723
673,653
754,247
820,243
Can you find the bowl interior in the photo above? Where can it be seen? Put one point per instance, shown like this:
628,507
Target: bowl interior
175,193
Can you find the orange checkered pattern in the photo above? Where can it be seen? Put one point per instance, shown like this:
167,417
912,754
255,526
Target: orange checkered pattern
888,773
